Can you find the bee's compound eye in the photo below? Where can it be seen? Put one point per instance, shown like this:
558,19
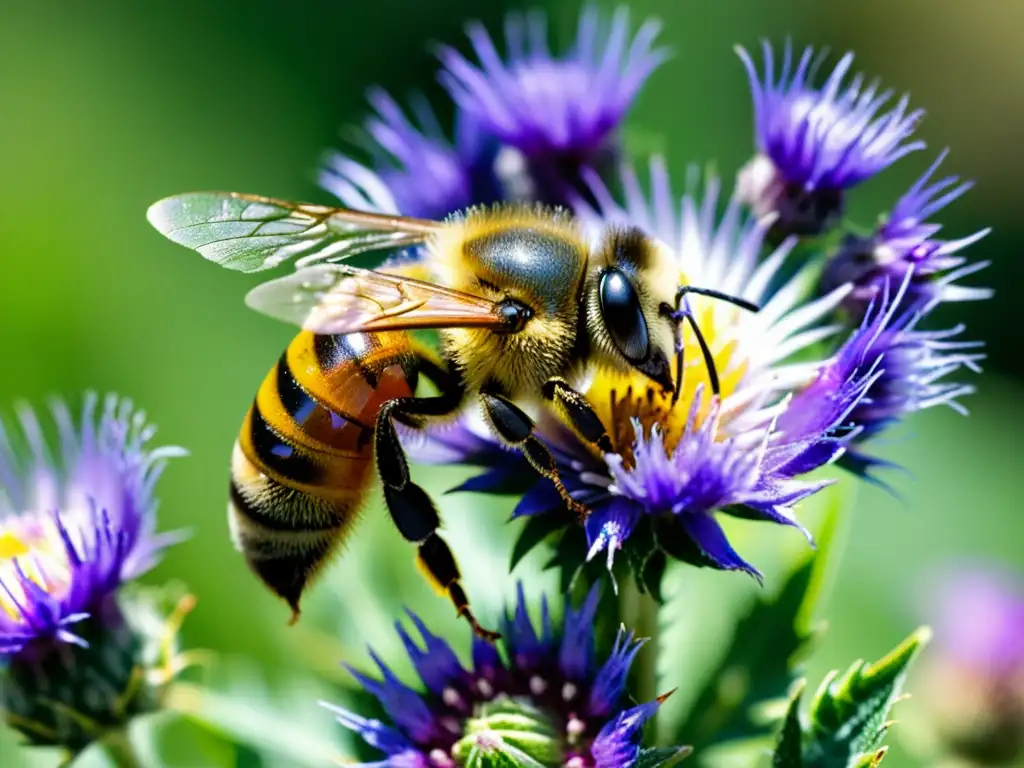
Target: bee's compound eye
620,308
514,315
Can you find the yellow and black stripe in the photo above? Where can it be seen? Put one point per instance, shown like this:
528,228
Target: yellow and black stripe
304,458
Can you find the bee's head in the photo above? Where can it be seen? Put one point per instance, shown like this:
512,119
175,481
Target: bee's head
630,279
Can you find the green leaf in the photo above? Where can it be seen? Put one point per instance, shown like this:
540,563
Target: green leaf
768,644
789,748
645,559
654,574
177,739
661,757
538,527
570,557
849,715
282,723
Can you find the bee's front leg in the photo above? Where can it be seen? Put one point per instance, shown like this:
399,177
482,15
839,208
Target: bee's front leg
515,428
578,413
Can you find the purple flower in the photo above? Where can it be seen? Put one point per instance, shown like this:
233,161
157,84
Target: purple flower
973,680
679,465
417,171
814,143
901,370
979,619
72,532
552,115
906,243
570,705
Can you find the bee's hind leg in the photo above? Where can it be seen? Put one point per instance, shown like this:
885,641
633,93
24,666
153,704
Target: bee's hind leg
515,428
411,509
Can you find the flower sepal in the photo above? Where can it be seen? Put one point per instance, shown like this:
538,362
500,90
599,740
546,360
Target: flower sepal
508,734
125,657
675,541
642,556
646,559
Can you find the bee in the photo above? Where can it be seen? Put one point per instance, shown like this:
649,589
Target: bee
524,307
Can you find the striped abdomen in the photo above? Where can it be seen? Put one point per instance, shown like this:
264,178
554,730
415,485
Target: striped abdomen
304,458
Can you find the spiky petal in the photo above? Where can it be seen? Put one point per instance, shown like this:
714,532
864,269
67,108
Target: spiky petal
813,143
907,243
416,170
552,673
553,114
72,532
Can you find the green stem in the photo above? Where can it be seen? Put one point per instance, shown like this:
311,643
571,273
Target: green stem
118,746
639,612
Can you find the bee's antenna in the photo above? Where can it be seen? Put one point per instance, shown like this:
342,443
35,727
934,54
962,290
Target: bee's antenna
682,312
709,359
712,293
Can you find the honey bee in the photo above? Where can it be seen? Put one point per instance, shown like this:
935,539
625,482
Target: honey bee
523,305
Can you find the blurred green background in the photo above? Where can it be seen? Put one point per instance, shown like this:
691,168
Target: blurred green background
109,105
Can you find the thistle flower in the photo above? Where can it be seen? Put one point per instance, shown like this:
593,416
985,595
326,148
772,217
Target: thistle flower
906,243
550,698
815,143
678,464
552,115
416,171
71,534
909,365
973,680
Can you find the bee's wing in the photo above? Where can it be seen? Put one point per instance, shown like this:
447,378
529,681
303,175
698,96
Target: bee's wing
251,233
336,298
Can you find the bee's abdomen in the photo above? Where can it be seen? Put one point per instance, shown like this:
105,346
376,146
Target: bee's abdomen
304,459
286,535
311,424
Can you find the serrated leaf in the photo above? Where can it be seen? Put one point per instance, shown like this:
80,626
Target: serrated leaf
768,643
849,715
789,748
661,757
872,760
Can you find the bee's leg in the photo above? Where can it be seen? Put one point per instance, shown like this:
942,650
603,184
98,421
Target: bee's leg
515,428
411,509
574,408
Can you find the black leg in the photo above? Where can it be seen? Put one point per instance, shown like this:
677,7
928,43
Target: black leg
411,509
574,408
515,428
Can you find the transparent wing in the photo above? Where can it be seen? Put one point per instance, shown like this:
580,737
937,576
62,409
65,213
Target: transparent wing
250,233
336,298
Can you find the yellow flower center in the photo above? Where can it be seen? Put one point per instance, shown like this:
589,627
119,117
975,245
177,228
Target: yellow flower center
619,397
34,546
